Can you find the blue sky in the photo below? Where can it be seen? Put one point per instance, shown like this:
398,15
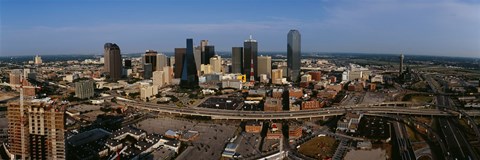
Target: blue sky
427,27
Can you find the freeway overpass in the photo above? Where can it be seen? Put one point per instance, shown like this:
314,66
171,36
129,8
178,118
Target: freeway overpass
302,114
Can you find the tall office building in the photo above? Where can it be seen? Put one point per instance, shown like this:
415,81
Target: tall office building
38,60
158,78
293,55
265,65
128,64
84,89
249,57
151,57
203,43
113,61
209,53
216,64
16,77
43,130
237,59
147,70
189,78
197,54
179,55
162,60
401,64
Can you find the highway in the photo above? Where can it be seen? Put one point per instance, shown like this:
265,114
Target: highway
302,114
457,145
404,146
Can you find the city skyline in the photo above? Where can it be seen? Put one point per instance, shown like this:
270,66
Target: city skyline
439,28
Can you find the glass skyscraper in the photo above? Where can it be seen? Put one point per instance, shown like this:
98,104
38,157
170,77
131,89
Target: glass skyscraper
249,55
189,78
293,55
237,59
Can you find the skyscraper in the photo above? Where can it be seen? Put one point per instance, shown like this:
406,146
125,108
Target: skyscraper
401,64
197,54
216,64
113,61
249,56
265,65
209,53
179,55
189,78
237,59
147,71
151,57
43,131
293,55
162,61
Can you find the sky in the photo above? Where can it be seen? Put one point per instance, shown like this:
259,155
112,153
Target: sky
423,27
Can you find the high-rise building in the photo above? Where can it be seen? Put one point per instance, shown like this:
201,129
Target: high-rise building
171,61
293,55
161,62
209,53
216,64
250,57
128,64
16,77
43,130
197,54
167,75
277,75
147,70
113,61
401,64
158,78
179,55
237,59
38,60
265,66
84,89
189,78
203,43
150,56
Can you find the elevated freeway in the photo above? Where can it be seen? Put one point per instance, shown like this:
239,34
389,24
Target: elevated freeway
302,114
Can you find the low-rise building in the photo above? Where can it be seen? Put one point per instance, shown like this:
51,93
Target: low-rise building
273,104
253,127
84,89
294,132
295,92
147,92
275,131
350,122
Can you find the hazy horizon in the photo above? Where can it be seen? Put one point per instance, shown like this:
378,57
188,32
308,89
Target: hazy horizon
54,27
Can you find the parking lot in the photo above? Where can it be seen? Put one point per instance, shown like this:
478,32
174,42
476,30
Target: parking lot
249,144
229,103
209,144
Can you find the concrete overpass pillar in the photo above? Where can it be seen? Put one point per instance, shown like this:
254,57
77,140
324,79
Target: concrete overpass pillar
323,117
310,118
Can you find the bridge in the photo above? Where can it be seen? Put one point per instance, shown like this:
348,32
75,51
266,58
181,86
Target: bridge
302,114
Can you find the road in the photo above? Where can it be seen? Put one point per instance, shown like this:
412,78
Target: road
260,115
404,146
457,145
